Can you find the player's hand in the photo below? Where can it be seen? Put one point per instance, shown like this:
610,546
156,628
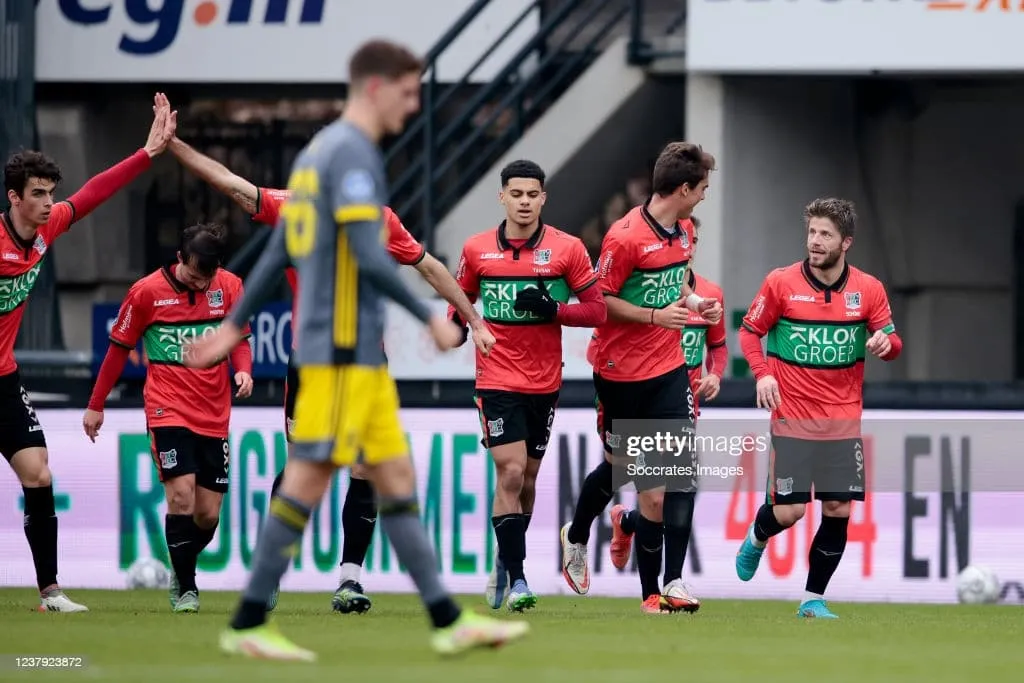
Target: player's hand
673,316
91,423
710,310
709,387
447,335
165,123
244,382
210,350
879,344
482,338
537,300
768,395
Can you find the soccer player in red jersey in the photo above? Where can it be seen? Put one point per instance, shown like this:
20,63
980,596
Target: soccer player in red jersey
27,230
640,373
821,317
698,336
524,273
187,410
359,512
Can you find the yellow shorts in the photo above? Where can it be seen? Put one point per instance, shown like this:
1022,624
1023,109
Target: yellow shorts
354,409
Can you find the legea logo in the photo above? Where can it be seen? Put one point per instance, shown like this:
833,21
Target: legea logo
156,23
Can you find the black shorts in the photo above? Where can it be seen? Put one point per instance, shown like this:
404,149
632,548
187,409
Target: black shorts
19,424
178,451
291,390
835,468
665,397
510,416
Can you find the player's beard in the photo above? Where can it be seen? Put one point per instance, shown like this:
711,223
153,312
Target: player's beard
828,260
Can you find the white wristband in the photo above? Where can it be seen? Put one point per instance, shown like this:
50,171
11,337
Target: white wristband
693,302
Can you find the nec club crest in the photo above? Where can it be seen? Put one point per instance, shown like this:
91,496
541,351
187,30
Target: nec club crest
40,245
852,299
215,298
542,257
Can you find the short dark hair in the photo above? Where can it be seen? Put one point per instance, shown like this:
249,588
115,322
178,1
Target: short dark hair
382,58
680,163
522,168
29,164
203,246
840,211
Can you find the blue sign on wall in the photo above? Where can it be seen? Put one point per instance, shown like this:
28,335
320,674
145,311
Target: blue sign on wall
271,341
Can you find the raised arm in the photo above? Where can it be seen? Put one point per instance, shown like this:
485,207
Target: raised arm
242,192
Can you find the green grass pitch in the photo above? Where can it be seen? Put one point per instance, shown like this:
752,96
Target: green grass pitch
133,637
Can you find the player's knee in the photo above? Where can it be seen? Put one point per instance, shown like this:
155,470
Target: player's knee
360,472
788,515
835,508
395,479
511,477
38,477
32,468
181,496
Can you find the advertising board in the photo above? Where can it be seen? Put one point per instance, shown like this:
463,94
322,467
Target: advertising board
905,545
260,41
853,36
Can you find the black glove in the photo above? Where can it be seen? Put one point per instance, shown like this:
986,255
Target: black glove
537,301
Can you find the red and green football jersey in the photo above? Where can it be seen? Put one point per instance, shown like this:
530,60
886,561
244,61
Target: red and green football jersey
817,336
167,316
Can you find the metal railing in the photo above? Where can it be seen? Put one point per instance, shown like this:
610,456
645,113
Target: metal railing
440,157
651,32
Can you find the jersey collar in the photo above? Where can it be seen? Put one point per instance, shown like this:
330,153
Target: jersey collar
813,281
5,218
535,238
661,231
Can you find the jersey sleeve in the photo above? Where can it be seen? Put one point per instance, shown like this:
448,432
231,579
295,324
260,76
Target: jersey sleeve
467,274
62,215
402,246
237,292
579,273
268,205
615,264
880,313
133,318
716,333
766,308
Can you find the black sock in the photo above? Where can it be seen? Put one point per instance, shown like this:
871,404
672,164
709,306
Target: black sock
826,552
510,530
180,544
678,509
358,518
648,546
628,522
277,483
201,538
41,532
594,497
765,524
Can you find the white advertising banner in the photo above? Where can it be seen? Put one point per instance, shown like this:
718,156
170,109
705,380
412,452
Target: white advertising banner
259,41
904,546
853,37
413,356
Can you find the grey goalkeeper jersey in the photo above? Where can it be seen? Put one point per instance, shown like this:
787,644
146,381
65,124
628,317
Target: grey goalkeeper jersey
331,230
